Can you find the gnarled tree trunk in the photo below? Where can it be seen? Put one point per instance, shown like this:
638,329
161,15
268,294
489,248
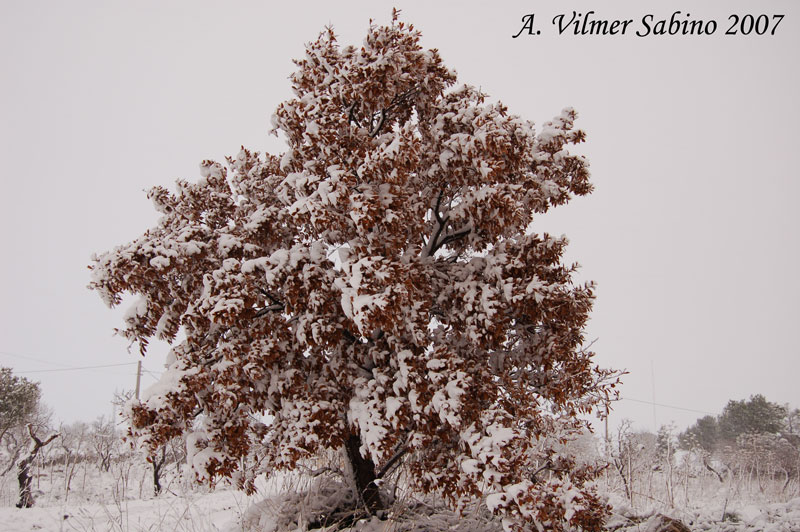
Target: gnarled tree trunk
26,499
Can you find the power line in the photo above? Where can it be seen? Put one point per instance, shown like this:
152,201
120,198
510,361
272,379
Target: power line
62,367
77,368
667,406
33,359
156,376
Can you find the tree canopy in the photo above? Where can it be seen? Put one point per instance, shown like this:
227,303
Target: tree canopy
19,399
377,288
755,415
705,433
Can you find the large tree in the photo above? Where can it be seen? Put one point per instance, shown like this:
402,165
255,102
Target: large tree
377,288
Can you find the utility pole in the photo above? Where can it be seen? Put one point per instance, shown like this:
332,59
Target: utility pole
138,377
607,439
653,386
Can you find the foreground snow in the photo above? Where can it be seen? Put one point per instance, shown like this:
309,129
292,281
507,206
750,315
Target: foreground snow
214,511
121,501
227,510
776,517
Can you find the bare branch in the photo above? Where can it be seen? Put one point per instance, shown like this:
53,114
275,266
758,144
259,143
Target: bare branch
396,101
450,237
402,97
547,466
36,440
317,472
278,307
51,438
392,461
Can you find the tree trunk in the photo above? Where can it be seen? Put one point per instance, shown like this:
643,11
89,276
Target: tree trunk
24,476
158,464
363,475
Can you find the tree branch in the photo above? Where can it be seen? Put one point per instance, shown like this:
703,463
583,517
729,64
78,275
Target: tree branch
708,466
402,97
379,126
277,307
36,440
451,237
350,336
393,460
51,438
437,207
547,466
38,444
317,472
397,99
433,243
351,114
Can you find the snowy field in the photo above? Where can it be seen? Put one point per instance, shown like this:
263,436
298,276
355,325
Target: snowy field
219,510
84,498
118,500
223,509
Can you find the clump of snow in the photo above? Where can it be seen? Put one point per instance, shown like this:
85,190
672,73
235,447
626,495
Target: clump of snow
137,310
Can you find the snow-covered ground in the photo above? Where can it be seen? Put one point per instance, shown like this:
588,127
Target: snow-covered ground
707,517
86,498
213,511
222,510
121,500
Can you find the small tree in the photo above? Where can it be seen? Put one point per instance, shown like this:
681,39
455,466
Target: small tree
791,420
76,448
20,404
104,441
377,288
24,477
702,439
622,457
703,434
19,399
665,453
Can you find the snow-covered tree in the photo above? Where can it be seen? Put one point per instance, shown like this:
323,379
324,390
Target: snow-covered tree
376,288
19,400
753,416
703,434
20,404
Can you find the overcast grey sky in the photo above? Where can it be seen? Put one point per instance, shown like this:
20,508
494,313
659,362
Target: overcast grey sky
691,234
